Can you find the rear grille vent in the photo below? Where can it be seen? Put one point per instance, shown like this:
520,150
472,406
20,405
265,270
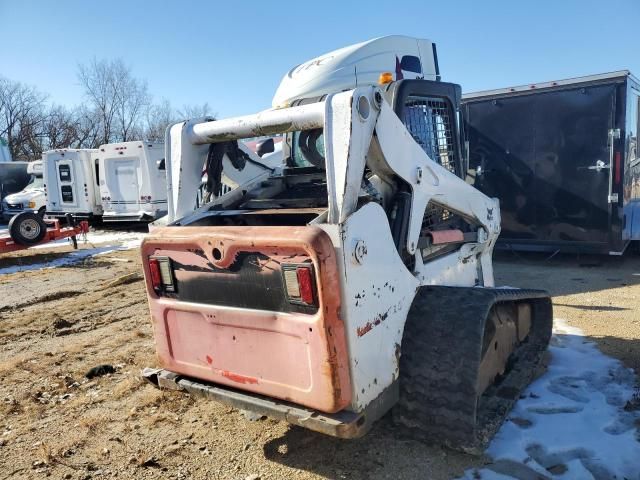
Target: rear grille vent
437,217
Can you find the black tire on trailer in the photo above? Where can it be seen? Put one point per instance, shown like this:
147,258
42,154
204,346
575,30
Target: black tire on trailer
27,228
441,355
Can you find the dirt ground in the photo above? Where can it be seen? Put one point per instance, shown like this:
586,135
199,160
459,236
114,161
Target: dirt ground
56,324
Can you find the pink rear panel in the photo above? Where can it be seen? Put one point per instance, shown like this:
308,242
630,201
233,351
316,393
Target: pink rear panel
296,355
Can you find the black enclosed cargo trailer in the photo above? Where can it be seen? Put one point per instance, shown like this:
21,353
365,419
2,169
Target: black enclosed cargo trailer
562,159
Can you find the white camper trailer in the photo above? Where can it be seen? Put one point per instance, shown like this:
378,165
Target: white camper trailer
133,183
71,182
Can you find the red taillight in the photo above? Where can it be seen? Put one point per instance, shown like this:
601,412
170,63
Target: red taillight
299,284
305,284
154,272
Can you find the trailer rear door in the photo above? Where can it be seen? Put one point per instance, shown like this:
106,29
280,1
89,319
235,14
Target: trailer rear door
546,156
572,163
122,181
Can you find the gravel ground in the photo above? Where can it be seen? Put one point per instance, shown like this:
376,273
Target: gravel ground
599,295
56,324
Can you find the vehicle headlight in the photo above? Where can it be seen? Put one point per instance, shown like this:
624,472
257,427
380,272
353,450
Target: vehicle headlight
32,204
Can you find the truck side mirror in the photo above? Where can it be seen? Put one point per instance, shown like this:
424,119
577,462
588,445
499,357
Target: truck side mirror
161,165
264,147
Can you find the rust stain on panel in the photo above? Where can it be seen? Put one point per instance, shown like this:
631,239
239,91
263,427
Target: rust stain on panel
234,377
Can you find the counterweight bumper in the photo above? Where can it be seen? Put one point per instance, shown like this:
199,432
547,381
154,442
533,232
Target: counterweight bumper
343,424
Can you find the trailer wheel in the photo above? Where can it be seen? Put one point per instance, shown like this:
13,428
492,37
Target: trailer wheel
27,228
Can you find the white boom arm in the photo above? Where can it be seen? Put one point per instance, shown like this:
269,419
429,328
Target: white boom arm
348,130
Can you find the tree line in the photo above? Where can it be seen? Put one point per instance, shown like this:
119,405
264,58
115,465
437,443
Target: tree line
117,107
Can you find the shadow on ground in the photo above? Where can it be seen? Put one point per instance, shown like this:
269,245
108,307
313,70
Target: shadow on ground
378,455
626,350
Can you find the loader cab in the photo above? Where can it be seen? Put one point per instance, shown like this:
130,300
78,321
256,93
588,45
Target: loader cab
429,111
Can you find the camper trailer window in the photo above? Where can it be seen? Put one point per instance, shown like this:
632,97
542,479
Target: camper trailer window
65,173
67,194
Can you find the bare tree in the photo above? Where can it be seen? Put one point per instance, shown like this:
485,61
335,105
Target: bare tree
21,118
132,101
195,111
119,108
159,117
88,133
60,128
119,98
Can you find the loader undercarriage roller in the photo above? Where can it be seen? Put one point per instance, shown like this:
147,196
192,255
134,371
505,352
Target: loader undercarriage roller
466,355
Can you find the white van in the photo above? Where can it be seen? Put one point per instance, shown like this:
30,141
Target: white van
32,198
71,179
133,183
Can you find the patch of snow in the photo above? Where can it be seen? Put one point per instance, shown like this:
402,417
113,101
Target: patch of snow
69,259
100,242
100,236
571,422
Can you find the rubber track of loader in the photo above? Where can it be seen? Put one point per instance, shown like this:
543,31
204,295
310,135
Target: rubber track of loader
440,356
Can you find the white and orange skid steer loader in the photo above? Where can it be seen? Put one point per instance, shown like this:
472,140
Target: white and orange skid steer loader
354,280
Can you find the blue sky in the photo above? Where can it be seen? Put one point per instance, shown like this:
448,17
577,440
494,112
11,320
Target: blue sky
233,54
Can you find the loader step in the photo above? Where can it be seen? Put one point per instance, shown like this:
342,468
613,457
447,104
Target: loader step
458,380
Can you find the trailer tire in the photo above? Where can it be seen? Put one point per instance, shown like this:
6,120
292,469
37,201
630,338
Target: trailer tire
27,228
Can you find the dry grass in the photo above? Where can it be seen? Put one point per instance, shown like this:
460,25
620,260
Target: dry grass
127,387
46,453
12,364
96,420
10,407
